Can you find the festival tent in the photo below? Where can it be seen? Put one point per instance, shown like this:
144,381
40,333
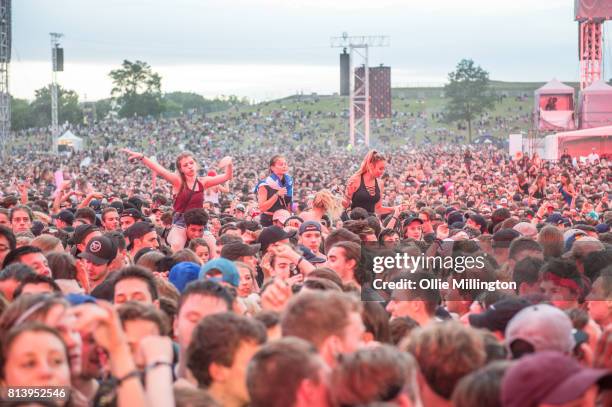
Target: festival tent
554,107
579,143
69,140
596,105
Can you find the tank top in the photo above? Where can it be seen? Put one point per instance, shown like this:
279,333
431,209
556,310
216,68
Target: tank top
362,198
280,203
188,198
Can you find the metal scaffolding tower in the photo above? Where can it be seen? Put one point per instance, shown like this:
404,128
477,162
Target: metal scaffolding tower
54,90
5,59
359,97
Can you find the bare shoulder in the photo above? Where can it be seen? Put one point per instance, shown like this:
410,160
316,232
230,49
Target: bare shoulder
353,181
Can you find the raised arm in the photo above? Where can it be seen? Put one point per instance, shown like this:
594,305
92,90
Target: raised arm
226,163
157,168
351,187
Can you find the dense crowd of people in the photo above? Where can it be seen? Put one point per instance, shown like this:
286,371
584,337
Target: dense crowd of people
242,273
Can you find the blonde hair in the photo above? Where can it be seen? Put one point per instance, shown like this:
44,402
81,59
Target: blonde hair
325,200
371,158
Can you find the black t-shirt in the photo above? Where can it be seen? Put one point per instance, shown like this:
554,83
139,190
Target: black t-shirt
104,291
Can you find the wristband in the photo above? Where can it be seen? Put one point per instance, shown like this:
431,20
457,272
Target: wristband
299,261
130,375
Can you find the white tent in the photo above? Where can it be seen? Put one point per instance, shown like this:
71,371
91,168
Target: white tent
579,143
68,139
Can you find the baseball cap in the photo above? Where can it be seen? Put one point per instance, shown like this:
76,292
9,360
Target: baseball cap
503,237
273,234
131,212
117,205
411,219
543,326
310,256
229,271
65,216
241,208
555,218
526,229
497,316
182,274
138,230
547,378
100,250
281,215
573,233
584,246
309,226
80,232
233,251
78,299
602,228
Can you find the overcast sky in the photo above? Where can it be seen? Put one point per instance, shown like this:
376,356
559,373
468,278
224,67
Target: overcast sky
266,49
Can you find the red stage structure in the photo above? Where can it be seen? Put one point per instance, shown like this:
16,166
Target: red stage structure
591,15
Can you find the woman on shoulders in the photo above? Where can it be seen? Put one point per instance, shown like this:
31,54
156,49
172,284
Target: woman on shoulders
187,187
363,189
276,191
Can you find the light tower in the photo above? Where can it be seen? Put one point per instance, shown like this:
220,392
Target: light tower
57,59
5,59
591,15
359,97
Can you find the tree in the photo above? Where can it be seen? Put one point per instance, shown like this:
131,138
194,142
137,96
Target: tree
469,94
21,114
102,106
67,103
136,89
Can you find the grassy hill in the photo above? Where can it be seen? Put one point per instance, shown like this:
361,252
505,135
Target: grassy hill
416,111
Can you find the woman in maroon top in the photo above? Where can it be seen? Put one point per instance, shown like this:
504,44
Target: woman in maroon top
187,188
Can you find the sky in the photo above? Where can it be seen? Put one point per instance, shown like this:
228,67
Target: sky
267,49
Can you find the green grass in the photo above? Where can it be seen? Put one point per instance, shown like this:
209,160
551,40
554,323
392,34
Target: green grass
418,101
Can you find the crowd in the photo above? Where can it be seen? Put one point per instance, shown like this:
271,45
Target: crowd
135,273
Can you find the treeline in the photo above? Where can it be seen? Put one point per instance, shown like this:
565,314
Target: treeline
136,92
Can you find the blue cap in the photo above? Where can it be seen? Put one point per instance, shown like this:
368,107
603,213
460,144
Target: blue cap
228,269
182,274
78,299
554,218
602,228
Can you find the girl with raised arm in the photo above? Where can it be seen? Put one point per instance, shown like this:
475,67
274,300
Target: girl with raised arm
187,188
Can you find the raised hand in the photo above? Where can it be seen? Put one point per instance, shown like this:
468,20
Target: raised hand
132,154
225,161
